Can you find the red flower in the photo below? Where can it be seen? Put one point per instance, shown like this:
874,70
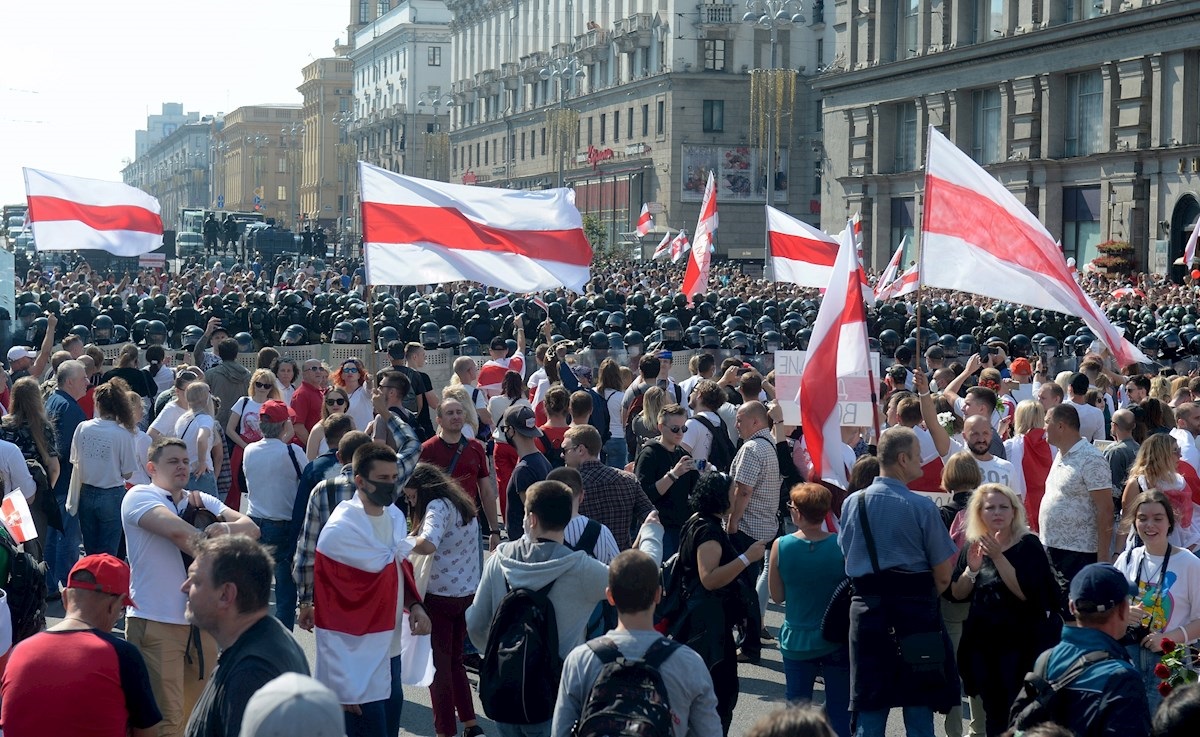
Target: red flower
1162,671
1164,688
1168,644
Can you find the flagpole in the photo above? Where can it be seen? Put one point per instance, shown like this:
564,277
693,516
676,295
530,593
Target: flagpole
921,243
367,288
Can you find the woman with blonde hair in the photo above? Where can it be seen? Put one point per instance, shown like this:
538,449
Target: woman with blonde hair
463,395
1156,468
336,401
242,428
1031,456
197,429
1004,573
645,424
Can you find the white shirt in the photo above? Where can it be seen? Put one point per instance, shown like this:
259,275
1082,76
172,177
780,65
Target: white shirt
606,545
102,453
1187,447
14,471
360,408
141,454
271,478
247,411
187,429
1091,421
164,379
156,565
170,414
697,437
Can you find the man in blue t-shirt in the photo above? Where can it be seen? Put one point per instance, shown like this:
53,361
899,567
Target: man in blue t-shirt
520,429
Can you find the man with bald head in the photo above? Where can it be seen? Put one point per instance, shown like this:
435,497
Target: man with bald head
977,437
1123,450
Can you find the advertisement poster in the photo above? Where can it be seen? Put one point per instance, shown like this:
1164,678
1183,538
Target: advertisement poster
741,173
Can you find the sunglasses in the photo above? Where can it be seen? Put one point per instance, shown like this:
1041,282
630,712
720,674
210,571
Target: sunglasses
336,401
673,428
261,385
350,369
314,368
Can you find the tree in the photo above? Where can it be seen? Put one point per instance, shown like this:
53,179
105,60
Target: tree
597,237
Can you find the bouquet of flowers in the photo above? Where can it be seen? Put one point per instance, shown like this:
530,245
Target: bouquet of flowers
946,420
1176,666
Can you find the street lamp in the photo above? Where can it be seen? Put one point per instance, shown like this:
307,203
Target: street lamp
564,70
258,142
217,153
771,15
347,153
291,136
435,101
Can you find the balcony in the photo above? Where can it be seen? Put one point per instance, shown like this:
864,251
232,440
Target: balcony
531,65
633,32
590,46
560,50
510,74
717,14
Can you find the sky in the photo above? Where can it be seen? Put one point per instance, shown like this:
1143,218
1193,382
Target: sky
77,77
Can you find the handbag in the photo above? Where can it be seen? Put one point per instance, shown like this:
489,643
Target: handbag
835,622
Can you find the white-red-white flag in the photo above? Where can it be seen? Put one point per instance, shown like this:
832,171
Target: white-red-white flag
906,283
69,213
356,592
803,255
644,221
893,269
664,246
837,349
979,238
679,246
17,518
695,279
418,231
1189,248
857,229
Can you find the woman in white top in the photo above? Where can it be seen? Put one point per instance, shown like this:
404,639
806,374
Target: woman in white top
445,526
141,442
352,377
242,428
336,401
1167,579
197,429
102,455
164,423
1155,468
610,386
285,376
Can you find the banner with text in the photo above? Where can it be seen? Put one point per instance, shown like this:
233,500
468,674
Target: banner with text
854,392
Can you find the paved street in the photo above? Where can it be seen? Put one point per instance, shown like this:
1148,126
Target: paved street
762,688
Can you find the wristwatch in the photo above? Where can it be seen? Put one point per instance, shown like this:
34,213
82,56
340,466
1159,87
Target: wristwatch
671,475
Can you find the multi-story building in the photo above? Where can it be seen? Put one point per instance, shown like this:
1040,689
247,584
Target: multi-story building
160,126
175,169
328,95
635,102
1085,109
401,58
255,167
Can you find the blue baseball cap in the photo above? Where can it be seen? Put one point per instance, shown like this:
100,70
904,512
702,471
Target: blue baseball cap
1099,587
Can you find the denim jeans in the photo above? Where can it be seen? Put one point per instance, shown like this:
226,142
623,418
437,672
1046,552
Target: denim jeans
100,518
205,482
835,668
918,722
394,706
278,536
616,453
1144,661
523,730
371,723
62,548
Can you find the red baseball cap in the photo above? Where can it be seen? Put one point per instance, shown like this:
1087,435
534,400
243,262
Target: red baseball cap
274,410
111,574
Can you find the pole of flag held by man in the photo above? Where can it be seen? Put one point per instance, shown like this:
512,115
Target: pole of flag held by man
68,213
418,231
838,348
695,279
978,238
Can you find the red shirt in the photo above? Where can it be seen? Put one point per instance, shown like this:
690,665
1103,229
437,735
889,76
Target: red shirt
471,467
87,403
306,403
83,683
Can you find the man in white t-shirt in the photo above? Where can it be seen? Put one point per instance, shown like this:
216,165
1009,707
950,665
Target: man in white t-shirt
158,537
1187,426
1091,418
976,438
707,399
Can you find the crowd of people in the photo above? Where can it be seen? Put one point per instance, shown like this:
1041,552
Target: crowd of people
549,524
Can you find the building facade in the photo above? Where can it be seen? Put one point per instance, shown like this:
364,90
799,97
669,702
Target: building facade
1086,111
175,169
255,169
160,126
328,96
635,102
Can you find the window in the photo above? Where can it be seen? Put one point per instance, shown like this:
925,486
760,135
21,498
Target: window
985,144
435,56
281,193
383,7
629,123
543,141
281,165
603,128
645,120
616,125
714,116
906,137
989,20
820,52
909,13
364,11
1081,223
714,54
661,123
1085,112
591,124
903,217
522,145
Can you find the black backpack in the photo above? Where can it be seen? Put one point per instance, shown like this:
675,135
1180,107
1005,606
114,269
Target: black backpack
588,538
721,451
518,681
26,589
629,696
1034,705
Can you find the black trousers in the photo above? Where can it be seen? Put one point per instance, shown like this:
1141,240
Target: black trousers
748,578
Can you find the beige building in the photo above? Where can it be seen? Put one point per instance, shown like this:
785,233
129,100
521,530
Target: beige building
255,160
1085,109
328,94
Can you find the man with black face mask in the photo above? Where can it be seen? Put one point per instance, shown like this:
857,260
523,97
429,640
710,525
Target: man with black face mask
358,593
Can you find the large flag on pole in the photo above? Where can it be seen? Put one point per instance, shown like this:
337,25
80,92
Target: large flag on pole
644,221
893,268
803,255
907,283
979,238
664,246
68,213
838,348
695,279
417,231
679,246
